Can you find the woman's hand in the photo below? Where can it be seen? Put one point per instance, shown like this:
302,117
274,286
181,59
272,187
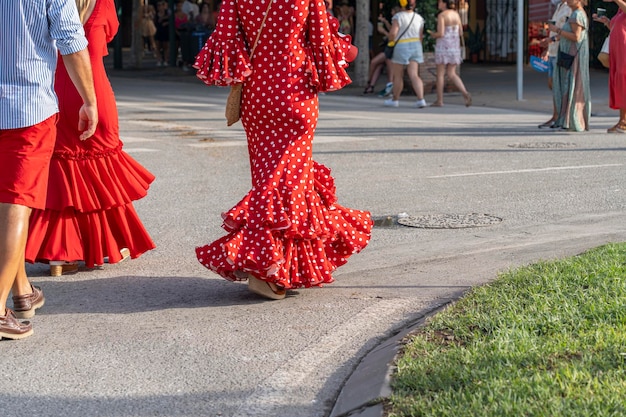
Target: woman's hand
602,19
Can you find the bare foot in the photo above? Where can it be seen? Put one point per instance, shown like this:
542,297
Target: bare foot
436,104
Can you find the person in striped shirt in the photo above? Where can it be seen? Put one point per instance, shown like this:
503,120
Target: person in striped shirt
33,33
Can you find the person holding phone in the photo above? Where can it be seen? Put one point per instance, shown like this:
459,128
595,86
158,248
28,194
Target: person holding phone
551,43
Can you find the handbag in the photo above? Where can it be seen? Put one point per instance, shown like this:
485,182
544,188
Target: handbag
565,60
603,56
392,44
233,102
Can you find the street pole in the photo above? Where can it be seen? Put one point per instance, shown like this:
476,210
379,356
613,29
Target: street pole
520,50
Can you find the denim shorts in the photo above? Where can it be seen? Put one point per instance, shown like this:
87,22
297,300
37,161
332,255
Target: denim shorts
551,65
408,51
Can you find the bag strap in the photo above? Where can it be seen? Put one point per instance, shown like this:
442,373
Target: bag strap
258,35
407,28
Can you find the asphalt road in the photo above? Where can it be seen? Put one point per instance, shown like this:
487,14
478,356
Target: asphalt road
162,336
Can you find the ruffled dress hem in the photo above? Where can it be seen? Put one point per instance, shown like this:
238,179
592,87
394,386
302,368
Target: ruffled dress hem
306,243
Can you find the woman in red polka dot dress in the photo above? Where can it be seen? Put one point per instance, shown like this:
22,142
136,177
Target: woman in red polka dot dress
287,232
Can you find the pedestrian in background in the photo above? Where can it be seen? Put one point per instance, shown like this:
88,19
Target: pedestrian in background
559,17
288,232
617,63
89,213
380,61
27,132
571,85
448,50
162,35
406,33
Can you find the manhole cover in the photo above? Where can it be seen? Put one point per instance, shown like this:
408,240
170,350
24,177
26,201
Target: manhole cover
449,221
543,145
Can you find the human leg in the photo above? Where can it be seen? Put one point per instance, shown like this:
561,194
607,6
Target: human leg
551,66
416,83
13,234
398,75
441,77
458,83
376,67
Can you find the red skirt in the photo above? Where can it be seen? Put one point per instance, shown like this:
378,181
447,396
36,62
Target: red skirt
24,163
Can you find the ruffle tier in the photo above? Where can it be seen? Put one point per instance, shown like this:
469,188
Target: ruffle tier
327,68
89,212
294,238
328,63
95,180
223,62
69,235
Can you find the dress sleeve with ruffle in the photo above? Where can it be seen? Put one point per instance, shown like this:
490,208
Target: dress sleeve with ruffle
329,49
224,59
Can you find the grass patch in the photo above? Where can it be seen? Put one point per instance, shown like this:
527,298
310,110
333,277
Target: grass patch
544,340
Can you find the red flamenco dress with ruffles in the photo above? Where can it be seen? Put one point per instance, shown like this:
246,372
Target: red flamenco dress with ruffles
89,213
289,229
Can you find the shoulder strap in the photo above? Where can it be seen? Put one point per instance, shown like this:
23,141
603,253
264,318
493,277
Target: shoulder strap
258,35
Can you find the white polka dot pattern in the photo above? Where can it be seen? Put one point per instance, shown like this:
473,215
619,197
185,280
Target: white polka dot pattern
288,229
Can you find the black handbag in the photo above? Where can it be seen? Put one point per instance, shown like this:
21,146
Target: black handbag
389,51
389,47
565,60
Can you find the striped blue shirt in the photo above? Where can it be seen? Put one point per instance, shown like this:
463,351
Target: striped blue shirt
31,33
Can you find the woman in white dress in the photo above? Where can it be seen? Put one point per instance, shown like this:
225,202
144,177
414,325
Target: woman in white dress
448,50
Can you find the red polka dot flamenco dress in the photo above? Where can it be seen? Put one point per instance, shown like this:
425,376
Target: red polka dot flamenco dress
288,229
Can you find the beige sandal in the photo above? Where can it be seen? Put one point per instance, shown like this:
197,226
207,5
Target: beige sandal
618,128
265,289
58,268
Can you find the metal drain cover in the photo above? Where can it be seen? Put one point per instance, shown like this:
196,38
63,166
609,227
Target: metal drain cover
449,221
543,145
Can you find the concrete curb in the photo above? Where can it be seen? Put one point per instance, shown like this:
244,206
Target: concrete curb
370,382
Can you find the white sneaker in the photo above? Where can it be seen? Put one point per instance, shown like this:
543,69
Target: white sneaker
420,104
391,103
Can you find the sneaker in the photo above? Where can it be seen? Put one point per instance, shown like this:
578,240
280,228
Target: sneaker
25,305
159,64
386,91
10,328
391,103
420,104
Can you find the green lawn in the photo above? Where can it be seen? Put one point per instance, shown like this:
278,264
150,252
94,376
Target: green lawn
544,340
